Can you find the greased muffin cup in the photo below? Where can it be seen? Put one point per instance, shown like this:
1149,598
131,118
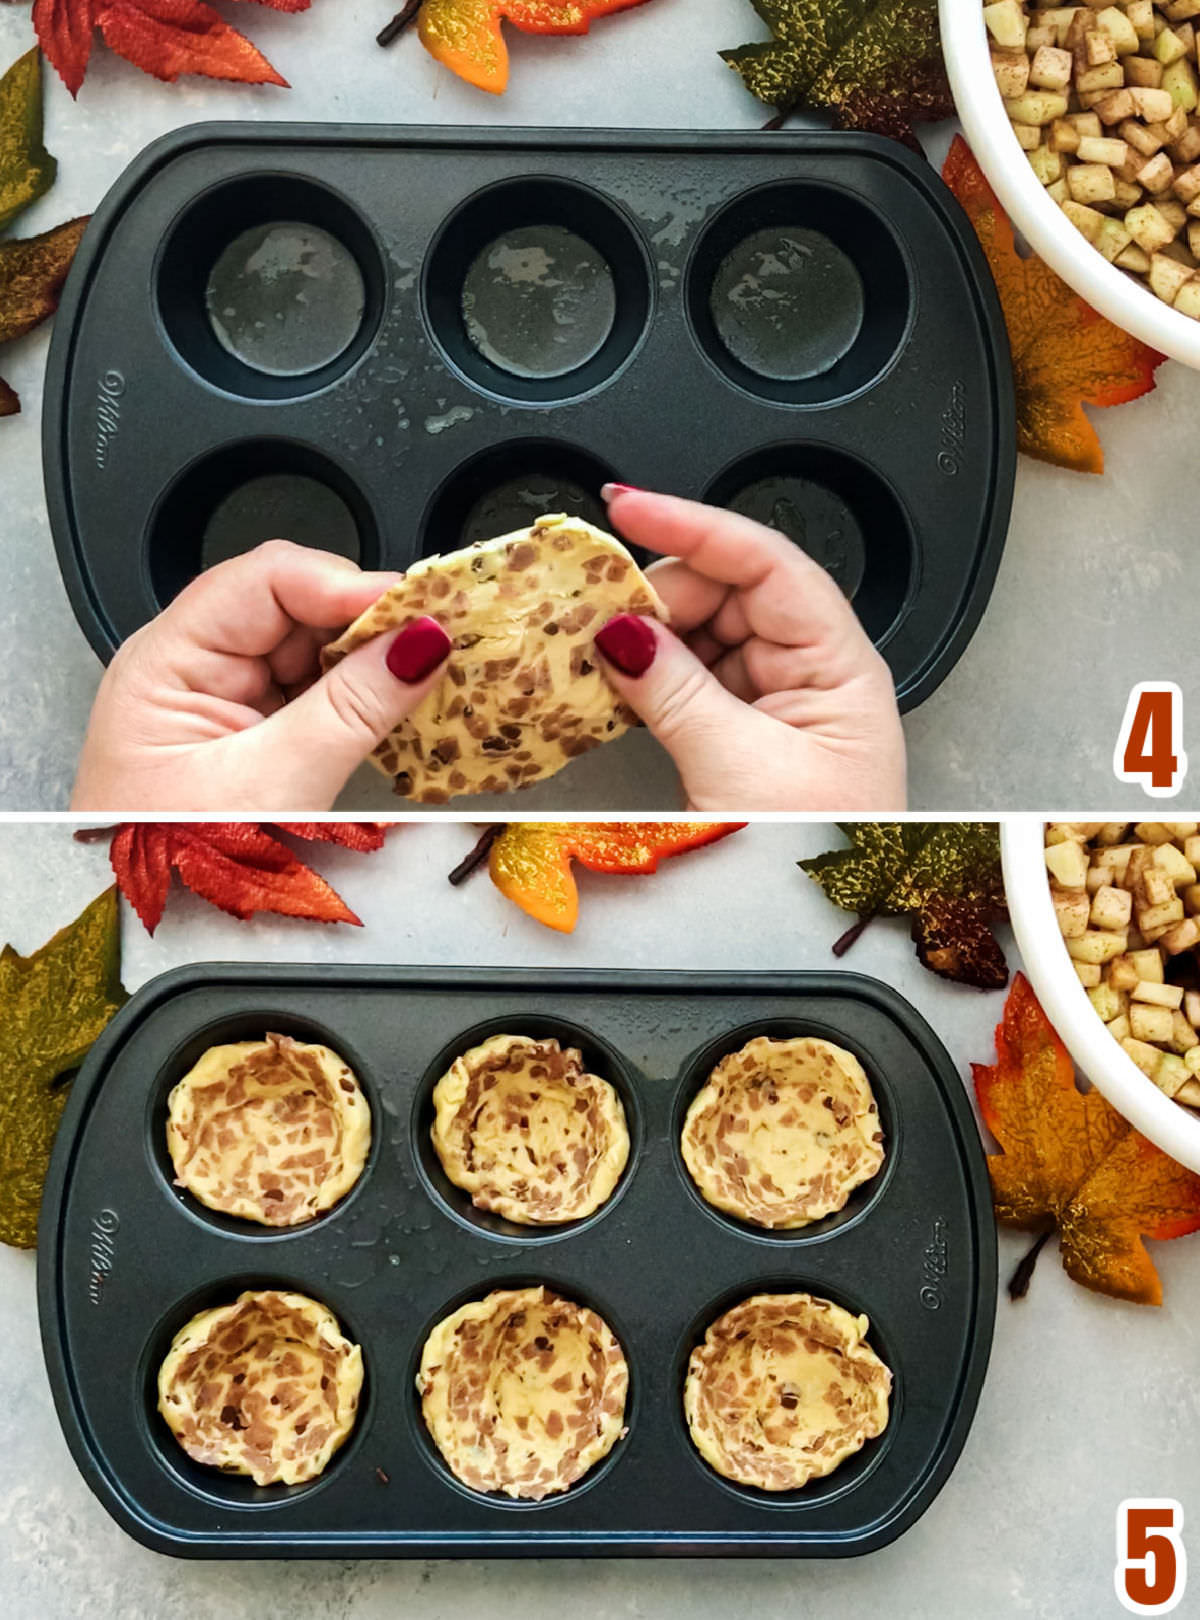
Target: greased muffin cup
127,1259
397,341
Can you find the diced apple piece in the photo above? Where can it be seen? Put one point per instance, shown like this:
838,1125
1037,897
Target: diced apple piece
1154,106
1134,259
1051,69
1006,23
1087,221
1108,150
1036,107
1092,183
1157,175
1179,81
1010,69
1143,72
1047,165
1187,299
1112,239
1067,863
1148,228
1115,25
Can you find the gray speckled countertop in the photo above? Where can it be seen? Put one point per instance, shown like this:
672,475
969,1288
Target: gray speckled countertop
1086,1402
1097,588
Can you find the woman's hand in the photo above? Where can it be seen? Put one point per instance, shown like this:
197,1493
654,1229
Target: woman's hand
769,694
219,704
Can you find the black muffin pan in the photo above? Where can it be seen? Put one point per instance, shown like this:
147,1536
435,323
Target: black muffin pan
125,1259
878,431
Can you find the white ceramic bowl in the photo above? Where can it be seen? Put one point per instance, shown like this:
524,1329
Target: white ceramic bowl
1048,968
1038,219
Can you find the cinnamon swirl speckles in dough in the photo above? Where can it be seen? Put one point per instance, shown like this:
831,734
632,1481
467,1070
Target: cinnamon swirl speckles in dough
522,1127
783,1132
523,1392
274,1131
268,1386
783,1389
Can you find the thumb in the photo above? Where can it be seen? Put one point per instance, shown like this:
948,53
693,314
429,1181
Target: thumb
681,701
320,738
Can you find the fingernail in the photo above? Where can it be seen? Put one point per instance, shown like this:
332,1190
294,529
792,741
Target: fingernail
609,491
628,642
418,650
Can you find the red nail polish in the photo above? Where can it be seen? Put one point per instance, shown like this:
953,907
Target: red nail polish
628,642
418,650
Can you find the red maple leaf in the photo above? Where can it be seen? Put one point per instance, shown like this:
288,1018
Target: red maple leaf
236,866
164,37
364,836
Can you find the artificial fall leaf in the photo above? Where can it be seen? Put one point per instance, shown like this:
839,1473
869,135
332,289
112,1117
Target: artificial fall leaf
466,36
236,866
945,875
1071,1161
26,168
364,836
32,273
53,1005
876,64
1064,355
530,862
167,38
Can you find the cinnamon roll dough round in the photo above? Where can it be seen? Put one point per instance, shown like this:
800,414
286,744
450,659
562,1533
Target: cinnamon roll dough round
268,1386
523,1392
274,1131
783,1132
522,1127
783,1389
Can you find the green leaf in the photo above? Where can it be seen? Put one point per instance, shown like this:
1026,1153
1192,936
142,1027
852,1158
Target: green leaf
876,64
26,168
945,875
53,1006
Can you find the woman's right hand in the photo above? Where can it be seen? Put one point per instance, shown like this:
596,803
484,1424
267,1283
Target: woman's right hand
766,691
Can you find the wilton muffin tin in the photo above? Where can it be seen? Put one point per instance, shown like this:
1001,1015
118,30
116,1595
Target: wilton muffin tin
125,1259
394,341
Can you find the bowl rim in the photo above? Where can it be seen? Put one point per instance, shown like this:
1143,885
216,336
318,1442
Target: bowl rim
1048,967
989,134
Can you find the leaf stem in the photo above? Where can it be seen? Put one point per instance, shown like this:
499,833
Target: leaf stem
842,945
479,854
1018,1283
406,15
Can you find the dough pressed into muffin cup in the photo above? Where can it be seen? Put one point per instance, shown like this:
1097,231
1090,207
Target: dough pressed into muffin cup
522,1127
783,1389
523,1392
268,1386
274,1131
783,1132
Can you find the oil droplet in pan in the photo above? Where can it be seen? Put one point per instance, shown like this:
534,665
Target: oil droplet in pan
285,298
787,303
539,301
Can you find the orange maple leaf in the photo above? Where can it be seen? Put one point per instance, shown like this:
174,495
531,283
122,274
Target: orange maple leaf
530,862
1071,1161
1064,354
465,35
